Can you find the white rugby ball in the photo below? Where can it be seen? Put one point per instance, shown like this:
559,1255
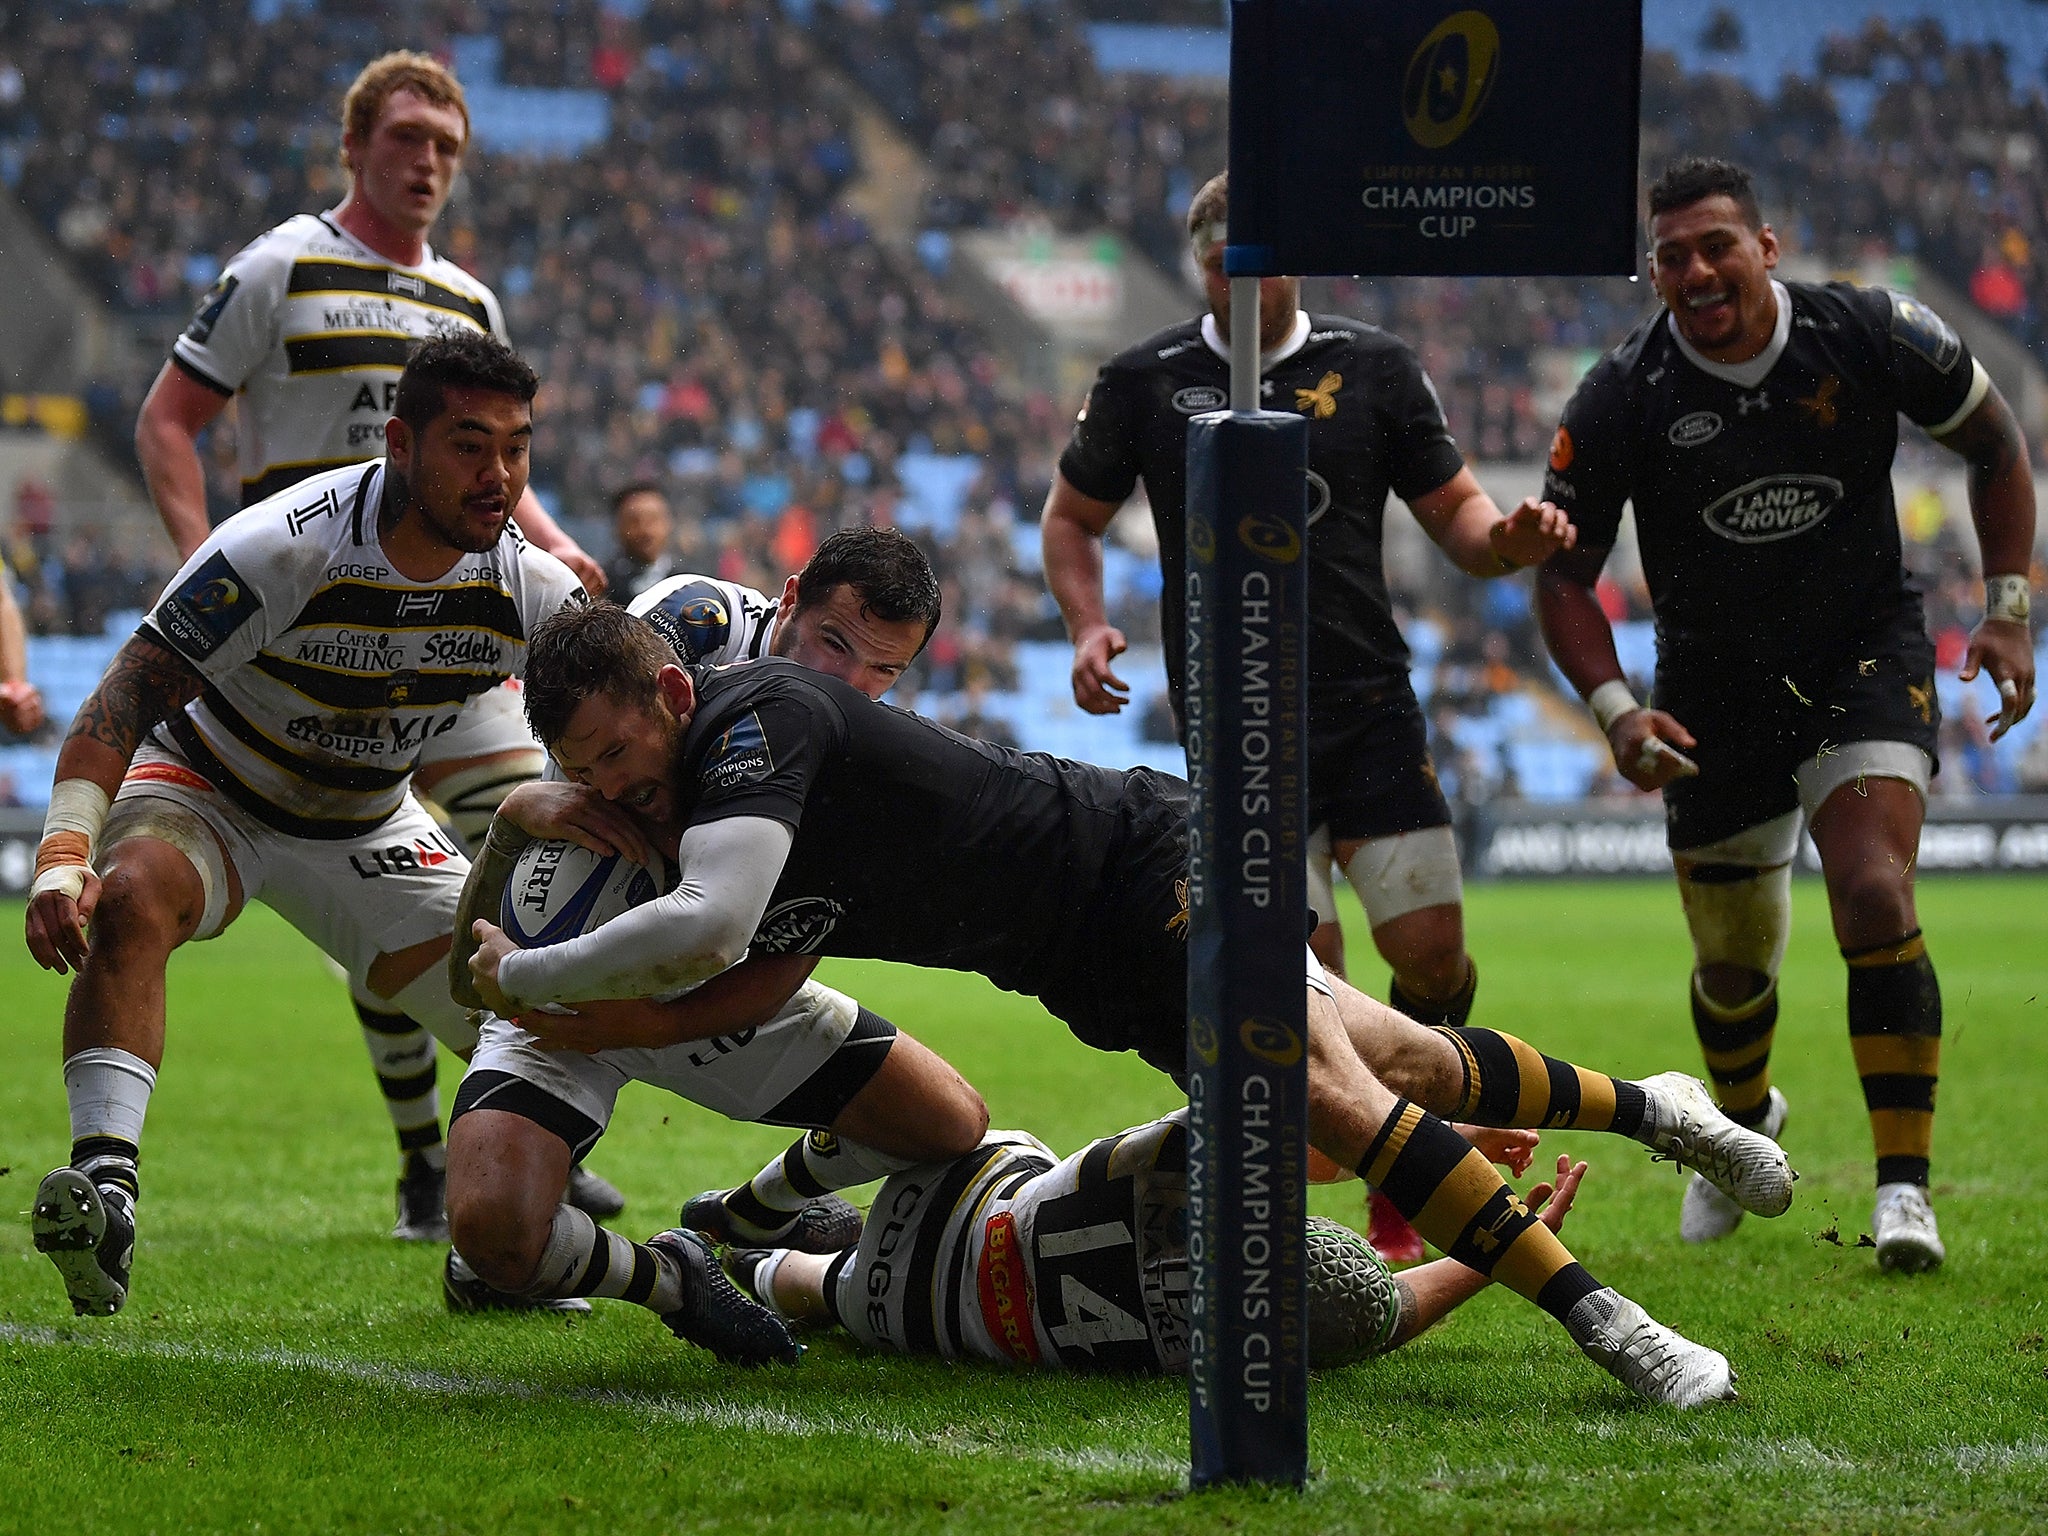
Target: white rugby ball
561,889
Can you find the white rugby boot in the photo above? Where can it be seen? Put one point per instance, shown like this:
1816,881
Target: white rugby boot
1707,1215
1908,1241
1659,1363
1684,1127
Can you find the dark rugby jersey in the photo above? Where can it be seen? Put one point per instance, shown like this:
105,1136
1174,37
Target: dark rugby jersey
1769,537
912,843
1374,425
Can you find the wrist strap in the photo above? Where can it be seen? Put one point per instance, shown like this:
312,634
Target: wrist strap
2007,599
1609,702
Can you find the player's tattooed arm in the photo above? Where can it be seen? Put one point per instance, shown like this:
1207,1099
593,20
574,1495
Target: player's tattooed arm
144,684
1409,1321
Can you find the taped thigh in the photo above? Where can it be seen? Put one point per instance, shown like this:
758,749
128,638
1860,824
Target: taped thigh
185,829
1406,872
1738,895
1322,894
1855,762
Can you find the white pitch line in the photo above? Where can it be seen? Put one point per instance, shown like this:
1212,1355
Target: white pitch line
742,1417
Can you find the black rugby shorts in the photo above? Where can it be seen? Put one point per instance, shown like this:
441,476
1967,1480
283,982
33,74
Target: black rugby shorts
1123,986
1758,724
1369,769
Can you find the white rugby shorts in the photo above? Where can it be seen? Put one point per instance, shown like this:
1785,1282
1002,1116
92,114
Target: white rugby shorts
742,1077
356,898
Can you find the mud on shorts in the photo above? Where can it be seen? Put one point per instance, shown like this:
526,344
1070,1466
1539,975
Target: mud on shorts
799,1069
1778,740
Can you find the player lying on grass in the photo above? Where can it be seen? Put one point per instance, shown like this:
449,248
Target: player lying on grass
860,610
814,821
1083,1264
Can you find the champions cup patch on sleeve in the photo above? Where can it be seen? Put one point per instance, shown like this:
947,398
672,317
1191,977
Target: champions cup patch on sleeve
1006,1290
1916,326
740,756
210,307
208,606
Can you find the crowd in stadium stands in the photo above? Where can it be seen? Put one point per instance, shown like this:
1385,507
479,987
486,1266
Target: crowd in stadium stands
1950,167
708,315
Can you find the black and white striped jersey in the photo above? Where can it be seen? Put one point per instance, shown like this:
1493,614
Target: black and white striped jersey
326,670
1006,1255
707,620
310,328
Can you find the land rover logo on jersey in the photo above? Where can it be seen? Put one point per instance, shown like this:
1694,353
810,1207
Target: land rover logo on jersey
1776,507
739,756
797,926
1692,430
1197,398
1449,77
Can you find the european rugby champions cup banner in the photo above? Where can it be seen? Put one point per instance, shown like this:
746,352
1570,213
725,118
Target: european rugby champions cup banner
1413,137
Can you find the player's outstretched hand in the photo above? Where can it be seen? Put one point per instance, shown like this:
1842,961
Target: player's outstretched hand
21,706
1533,532
2006,651
56,926
1511,1149
1553,1202
492,946
1647,745
1097,689
576,813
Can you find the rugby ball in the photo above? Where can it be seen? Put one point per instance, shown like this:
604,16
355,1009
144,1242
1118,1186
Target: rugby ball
1353,1305
561,889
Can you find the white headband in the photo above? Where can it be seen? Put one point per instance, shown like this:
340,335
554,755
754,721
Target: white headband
1213,232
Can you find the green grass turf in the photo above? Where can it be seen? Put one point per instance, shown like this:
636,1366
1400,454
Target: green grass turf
283,1365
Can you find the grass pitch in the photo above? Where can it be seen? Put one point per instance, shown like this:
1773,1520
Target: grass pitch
284,1365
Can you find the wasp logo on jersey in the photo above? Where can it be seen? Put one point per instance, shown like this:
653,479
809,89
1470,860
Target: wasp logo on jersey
1320,401
739,756
1776,507
798,926
208,606
1821,404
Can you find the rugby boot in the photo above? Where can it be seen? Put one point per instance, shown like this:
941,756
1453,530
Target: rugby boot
825,1225
88,1230
715,1313
1707,1215
1908,1242
422,1203
1683,1126
592,1193
1660,1364
464,1290
1389,1233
